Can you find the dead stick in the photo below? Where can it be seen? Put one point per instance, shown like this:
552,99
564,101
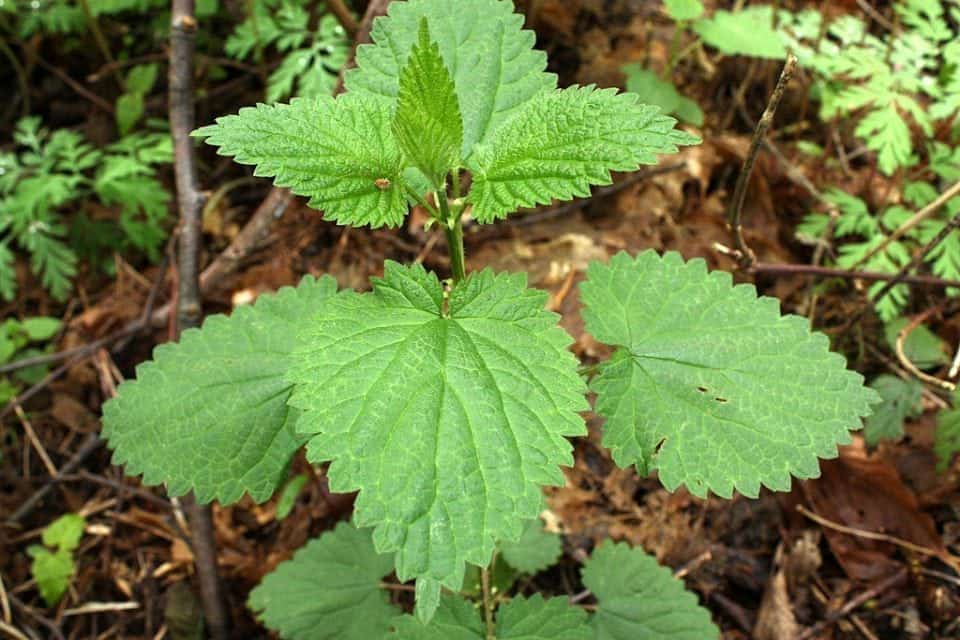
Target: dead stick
183,27
344,16
747,257
853,603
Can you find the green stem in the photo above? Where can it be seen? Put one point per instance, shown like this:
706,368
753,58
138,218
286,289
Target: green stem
422,202
487,604
453,227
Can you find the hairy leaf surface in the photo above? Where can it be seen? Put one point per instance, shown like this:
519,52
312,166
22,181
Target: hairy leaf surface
427,123
710,385
637,598
340,153
329,590
447,413
563,142
490,57
210,414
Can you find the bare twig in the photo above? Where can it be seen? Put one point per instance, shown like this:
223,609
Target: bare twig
854,603
94,26
903,274
344,16
183,28
746,255
940,554
912,222
76,86
91,444
21,76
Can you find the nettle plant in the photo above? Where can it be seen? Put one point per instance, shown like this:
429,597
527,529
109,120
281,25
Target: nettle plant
448,403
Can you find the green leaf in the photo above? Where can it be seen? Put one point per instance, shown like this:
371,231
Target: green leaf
519,619
456,619
536,549
427,123
947,441
65,532
129,110
209,414
899,399
288,497
655,91
684,9
488,54
749,32
447,413
142,78
40,328
711,385
52,572
535,618
340,153
922,347
563,142
637,598
885,131
329,590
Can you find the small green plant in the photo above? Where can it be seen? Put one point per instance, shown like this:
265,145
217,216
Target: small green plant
51,172
448,402
887,82
53,565
313,56
21,339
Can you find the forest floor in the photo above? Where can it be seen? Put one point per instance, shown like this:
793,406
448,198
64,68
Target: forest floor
853,554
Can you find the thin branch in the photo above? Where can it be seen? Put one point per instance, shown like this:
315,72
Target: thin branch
20,74
183,27
94,26
813,271
344,16
747,257
912,222
487,604
76,86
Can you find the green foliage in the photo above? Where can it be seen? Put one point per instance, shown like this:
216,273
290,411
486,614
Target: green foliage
684,9
338,152
53,565
427,122
637,598
536,549
947,441
312,57
383,382
18,341
57,171
509,139
922,347
710,385
748,32
329,590
130,104
861,231
656,91
884,82
521,618
209,414
289,495
899,400
532,160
